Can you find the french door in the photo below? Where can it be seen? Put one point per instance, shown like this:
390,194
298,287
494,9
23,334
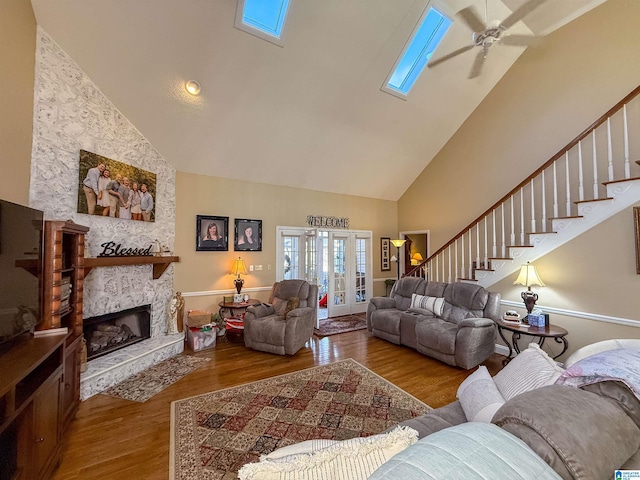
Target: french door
339,261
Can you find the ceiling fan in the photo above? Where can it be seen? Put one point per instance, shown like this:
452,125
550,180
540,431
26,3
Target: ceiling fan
485,35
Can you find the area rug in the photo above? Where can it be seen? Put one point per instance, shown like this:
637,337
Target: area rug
144,385
346,323
214,434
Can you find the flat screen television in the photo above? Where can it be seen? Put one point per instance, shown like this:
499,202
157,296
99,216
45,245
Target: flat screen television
21,262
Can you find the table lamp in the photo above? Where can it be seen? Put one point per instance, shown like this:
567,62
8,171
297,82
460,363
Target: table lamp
238,268
416,258
529,277
398,244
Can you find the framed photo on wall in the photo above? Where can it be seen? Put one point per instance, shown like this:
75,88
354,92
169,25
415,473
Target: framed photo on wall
385,257
248,235
212,233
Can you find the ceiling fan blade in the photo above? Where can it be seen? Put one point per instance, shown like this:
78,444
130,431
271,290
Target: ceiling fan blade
476,68
520,40
471,18
449,55
520,13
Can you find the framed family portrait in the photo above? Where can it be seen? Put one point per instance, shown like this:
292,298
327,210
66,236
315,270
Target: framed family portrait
212,233
248,235
385,258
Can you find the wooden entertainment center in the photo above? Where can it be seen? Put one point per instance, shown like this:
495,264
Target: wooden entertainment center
40,376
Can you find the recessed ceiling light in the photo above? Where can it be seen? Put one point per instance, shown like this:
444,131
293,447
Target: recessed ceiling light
192,87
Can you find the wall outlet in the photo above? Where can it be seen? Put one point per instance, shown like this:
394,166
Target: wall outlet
259,267
269,266
251,268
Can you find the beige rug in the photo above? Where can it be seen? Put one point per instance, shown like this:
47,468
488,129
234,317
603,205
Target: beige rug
343,324
214,434
144,385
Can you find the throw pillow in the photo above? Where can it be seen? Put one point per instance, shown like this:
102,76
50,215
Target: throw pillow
529,370
426,305
292,304
479,396
355,459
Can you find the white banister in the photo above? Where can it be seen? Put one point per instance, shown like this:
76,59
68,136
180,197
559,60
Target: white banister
512,237
543,220
627,172
580,173
555,190
595,167
449,281
521,216
504,242
486,243
609,149
495,251
477,246
533,209
568,185
462,272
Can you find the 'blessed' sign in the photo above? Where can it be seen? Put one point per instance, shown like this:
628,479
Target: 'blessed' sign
110,249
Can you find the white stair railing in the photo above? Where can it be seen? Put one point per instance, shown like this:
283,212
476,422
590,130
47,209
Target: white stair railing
526,205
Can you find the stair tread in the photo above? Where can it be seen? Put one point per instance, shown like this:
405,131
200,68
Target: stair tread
566,218
519,246
594,200
460,279
484,270
500,258
539,233
621,180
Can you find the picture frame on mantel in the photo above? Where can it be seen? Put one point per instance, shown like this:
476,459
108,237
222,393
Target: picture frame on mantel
385,258
636,221
212,233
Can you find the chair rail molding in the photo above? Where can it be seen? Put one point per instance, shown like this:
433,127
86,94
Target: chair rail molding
628,322
206,293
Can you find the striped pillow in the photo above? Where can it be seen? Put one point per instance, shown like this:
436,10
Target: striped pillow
353,459
426,305
529,370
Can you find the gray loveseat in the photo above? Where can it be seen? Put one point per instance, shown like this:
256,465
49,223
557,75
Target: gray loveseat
464,335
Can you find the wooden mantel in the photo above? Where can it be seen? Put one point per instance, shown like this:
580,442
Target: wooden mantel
160,264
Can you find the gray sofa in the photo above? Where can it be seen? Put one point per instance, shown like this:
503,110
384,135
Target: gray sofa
464,335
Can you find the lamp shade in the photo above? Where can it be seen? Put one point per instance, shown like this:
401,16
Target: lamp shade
528,276
239,267
398,243
417,256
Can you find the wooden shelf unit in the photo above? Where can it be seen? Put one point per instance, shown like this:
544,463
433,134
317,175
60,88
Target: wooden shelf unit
31,376
160,264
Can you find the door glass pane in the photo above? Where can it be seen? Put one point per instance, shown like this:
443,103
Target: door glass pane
339,269
323,275
311,271
361,267
290,257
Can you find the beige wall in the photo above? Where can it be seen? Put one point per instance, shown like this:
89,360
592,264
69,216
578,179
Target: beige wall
551,94
17,61
275,206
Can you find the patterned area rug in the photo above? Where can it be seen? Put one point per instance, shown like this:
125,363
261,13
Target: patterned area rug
346,323
144,385
214,434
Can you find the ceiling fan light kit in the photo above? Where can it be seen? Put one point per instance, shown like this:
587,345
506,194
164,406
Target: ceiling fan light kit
485,35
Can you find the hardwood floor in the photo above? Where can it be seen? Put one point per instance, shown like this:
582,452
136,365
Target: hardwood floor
113,439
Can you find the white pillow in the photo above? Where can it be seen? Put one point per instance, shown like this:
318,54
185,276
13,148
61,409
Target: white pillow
353,459
479,396
529,370
426,305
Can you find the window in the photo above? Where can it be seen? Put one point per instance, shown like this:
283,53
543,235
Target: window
425,38
263,18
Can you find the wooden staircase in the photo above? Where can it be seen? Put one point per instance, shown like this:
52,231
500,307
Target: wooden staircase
562,199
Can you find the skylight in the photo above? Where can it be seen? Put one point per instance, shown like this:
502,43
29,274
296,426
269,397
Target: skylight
263,18
425,38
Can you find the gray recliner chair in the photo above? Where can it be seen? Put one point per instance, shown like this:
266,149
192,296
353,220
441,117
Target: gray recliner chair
265,326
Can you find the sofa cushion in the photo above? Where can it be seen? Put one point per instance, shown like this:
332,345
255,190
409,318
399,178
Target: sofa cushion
352,459
427,305
473,451
438,419
580,434
404,288
479,396
464,300
438,335
530,369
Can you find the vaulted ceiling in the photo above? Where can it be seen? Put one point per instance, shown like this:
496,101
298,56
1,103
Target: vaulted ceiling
310,114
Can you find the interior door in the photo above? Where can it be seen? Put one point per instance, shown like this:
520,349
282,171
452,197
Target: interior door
339,275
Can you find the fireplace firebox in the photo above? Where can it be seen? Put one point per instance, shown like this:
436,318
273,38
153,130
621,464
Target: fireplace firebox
113,331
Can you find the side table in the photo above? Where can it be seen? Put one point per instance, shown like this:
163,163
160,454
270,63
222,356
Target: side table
235,310
542,333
